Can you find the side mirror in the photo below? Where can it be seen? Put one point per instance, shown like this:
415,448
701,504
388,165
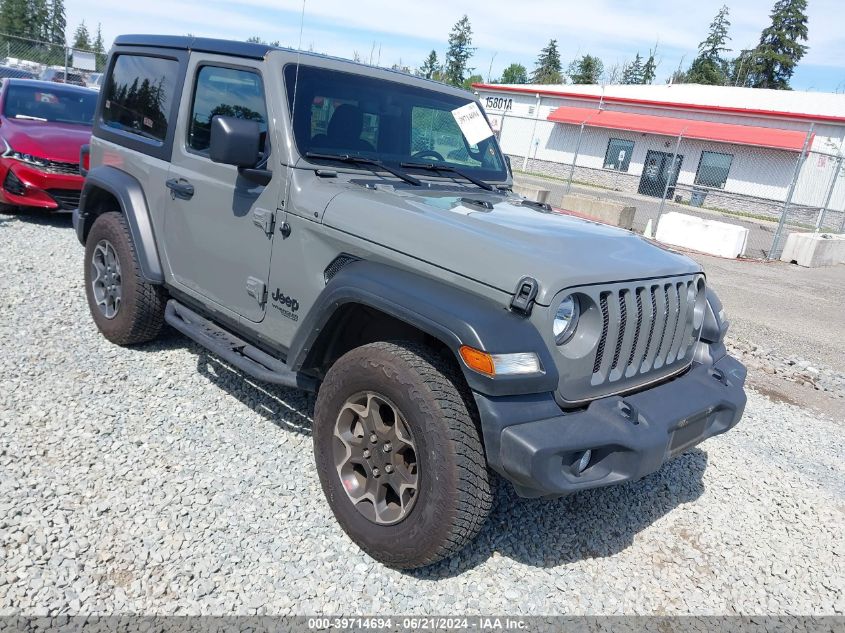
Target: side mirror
508,163
235,141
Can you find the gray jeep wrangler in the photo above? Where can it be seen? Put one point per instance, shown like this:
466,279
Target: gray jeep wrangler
349,230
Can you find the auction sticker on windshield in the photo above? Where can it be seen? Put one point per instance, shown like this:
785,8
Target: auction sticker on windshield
472,123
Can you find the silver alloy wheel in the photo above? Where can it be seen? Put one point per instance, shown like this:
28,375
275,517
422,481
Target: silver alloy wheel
376,458
105,279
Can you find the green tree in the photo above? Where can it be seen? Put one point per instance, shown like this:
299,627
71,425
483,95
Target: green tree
430,67
780,48
81,37
39,13
679,76
650,67
586,70
633,72
548,68
472,79
710,66
255,39
99,48
456,66
56,23
514,74
741,67
14,17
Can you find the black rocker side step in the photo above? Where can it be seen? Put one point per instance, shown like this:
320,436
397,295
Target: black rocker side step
234,350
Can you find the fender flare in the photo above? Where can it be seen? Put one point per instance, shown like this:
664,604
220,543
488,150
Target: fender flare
453,316
130,196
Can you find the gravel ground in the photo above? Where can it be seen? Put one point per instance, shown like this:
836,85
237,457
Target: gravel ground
794,313
156,480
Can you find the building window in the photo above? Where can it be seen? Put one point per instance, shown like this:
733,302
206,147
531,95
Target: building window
713,169
224,92
618,155
138,95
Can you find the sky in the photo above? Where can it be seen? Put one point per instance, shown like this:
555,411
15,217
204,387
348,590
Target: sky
403,32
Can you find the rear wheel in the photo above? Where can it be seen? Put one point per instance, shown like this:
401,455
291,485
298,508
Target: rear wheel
126,308
399,455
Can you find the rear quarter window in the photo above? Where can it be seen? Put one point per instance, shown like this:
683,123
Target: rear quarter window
139,95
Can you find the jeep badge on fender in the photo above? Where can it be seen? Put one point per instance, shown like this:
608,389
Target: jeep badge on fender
286,305
450,328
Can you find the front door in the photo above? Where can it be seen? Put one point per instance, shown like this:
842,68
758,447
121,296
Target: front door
219,225
657,171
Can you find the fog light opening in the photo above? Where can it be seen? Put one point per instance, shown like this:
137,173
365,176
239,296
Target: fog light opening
581,465
13,184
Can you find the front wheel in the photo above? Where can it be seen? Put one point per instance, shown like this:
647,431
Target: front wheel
399,455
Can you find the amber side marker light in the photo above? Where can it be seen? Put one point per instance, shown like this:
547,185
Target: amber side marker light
500,364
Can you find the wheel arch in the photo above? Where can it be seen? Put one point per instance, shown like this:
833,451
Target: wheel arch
385,302
108,188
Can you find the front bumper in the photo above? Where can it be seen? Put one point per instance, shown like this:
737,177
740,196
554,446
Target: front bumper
34,188
535,445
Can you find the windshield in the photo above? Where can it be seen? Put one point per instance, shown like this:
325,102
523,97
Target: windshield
57,105
344,113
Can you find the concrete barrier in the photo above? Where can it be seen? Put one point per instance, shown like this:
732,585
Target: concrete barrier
698,234
532,193
812,250
605,211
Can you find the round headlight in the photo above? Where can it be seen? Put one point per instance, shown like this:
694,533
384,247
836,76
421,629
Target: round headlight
566,319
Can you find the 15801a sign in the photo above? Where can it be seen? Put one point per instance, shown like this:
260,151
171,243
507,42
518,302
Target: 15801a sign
498,103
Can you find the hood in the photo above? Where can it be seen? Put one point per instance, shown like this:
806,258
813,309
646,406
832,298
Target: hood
54,141
498,246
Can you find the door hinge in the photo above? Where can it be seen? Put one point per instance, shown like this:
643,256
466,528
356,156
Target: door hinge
256,289
264,219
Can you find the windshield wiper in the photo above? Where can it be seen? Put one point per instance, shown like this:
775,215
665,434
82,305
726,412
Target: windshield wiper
29,118
363,160
435,167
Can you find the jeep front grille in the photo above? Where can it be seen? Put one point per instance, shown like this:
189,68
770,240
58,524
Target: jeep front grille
659,335
634,333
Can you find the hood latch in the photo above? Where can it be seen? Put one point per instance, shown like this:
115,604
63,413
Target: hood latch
526,292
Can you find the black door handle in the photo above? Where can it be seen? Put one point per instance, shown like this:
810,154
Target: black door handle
180,188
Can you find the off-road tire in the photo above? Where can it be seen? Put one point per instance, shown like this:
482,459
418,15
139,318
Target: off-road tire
454,496
140,316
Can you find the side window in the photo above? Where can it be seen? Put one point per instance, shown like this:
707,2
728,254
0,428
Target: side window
139,94
618,155
713,169
225,92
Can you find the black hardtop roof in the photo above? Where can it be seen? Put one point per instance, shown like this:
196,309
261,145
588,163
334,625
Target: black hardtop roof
245,49
202,44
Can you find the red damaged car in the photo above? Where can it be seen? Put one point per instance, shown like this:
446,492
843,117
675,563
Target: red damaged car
43,125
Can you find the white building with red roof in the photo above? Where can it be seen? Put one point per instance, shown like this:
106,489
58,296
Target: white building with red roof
735,141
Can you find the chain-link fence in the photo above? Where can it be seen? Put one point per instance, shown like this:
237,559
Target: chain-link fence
777,185
35,59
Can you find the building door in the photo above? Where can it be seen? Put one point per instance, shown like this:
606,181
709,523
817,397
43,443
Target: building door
657,171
